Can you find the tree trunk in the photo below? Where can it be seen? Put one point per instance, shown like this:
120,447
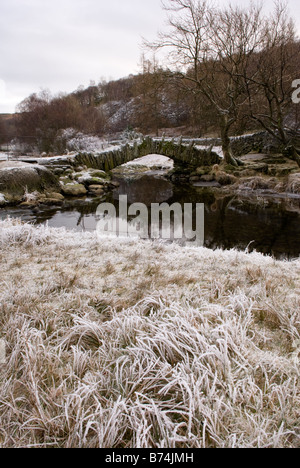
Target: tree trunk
292,153
296,157
226,144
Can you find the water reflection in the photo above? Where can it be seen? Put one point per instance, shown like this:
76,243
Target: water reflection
267,225
146,189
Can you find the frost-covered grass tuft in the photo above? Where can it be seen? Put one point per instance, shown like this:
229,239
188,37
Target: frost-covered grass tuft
30,196
293,185
2,199
140,344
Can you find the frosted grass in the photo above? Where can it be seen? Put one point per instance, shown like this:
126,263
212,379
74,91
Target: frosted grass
141,344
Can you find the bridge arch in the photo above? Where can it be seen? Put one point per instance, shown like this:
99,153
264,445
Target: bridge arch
182,154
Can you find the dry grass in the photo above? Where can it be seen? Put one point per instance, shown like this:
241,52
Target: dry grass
258,183
183,348
293,185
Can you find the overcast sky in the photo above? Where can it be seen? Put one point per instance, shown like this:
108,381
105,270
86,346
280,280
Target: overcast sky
61,44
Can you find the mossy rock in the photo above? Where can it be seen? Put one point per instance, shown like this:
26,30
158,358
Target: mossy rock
96,190
275,160
66,180
54,196
208,178
257,167
99,174
285,170
263,168
225,179
52,201
203,170
94,181
74,190
229,168
16,178
92,177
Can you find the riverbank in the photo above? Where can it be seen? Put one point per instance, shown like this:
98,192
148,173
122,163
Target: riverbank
264,168
140,344
68,184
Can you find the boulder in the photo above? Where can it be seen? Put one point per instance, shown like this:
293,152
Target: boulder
96,190
74,190
55,196
207,178
203,170
51,201
260,167
114,184
94,181
92,177
225,179
87,180
99,174
16,178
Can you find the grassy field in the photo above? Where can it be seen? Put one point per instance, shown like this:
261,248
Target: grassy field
139,344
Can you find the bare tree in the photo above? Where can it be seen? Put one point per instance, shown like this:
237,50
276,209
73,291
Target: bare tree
41,117
236,37
211,49
150,89
273,71
2,131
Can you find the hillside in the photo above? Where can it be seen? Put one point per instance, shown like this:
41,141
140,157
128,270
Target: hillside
152,103
7,127
155,102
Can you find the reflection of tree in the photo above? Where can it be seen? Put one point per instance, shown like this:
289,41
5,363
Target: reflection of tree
235,221
81,221
43,216
219,207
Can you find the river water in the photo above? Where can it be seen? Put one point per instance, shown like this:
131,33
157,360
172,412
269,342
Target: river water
268,225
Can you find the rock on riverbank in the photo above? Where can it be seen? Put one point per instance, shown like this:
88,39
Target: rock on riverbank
18,178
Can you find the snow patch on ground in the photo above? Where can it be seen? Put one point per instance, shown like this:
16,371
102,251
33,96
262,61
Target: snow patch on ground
3,156
216,149
152,160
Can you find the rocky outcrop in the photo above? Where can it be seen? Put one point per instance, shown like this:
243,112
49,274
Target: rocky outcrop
17,178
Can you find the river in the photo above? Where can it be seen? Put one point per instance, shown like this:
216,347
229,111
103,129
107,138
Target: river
267,225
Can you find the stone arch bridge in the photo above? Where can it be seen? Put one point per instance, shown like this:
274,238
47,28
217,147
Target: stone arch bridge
187,155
